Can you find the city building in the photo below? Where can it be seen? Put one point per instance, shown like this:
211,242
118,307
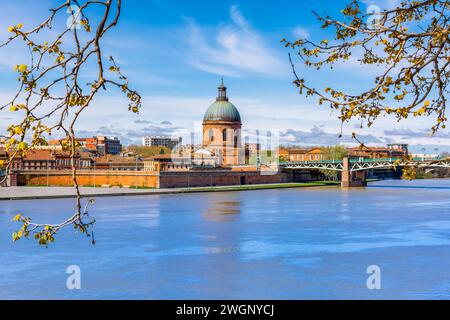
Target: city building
252,151
52,145
89,144
294,155
161,141
108,145
47,159
102,145
117,163
399,146
204,157
378,152
221,159
283,153
222,130
166,162
35,160
423,156
3,163
253,147
3,154
63,161
181,161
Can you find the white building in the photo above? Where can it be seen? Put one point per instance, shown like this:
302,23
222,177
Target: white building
425,157
161,141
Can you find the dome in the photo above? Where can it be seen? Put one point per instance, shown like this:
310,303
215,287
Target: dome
222,109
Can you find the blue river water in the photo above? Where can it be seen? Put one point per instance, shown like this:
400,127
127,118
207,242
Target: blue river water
268,244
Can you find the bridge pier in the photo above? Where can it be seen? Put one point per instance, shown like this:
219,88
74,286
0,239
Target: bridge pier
352,179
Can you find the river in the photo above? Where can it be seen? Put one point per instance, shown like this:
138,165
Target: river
269,244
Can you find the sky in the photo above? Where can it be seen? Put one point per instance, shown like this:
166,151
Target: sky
176,51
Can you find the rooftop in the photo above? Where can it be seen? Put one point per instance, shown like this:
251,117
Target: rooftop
222,109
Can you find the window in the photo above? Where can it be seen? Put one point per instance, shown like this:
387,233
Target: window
211,135
224,135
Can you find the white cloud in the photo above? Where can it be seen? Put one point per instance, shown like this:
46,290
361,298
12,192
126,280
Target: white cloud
318,136
301,33
383,4
299,123
234,49
238,18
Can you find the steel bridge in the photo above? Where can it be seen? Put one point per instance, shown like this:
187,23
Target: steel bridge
363,164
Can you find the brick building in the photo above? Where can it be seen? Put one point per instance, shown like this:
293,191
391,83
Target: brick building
161,141
117,163
222,130
102,145
392,151
3,154
294,155
200,158
47,159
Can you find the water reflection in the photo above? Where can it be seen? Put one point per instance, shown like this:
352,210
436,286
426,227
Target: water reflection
222,211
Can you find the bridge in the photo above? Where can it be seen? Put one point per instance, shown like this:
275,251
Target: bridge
354,170
368,164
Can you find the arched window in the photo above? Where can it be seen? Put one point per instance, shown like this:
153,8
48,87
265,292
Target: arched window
211,135
224,135
235,141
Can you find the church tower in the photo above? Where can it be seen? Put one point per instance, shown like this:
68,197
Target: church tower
222,130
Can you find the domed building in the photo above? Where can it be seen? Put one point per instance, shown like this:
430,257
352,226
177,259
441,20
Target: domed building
222,130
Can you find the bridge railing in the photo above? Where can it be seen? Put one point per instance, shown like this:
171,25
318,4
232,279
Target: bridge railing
429,159
372,160
360,160
310,162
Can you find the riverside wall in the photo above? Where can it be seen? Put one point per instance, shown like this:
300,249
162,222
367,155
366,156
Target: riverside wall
218,178
149,179
88,178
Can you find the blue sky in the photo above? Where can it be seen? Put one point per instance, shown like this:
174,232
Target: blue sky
175,53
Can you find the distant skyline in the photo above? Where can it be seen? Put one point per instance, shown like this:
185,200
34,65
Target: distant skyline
175,53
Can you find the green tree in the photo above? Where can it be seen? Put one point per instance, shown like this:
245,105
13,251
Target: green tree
338,152
149,151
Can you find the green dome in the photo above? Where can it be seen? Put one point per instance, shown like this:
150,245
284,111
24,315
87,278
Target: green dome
222,111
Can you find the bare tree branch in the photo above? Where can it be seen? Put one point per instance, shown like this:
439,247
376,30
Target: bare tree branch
51,96
409,44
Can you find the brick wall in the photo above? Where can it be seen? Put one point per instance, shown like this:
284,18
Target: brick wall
217,178
88,178
150,179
